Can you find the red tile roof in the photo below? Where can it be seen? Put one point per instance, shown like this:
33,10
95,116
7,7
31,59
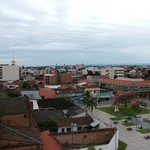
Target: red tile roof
125,82
47,93
49,141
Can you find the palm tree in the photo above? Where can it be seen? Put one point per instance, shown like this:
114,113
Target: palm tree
89,101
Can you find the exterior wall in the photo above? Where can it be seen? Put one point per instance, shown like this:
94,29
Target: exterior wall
93,79
65,78
50,79
94,91
84,72
110,72
85,138
9,73
113,144
18,120
54,78
72,128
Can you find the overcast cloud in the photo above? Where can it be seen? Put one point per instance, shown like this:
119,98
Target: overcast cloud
46,32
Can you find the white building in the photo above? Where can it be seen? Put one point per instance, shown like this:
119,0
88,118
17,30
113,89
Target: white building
9,72
112,71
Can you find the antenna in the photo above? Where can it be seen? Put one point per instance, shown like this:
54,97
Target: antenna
13,60
13,54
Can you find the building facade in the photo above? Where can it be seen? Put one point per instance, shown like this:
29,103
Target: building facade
9,72
141,87
50,78
61,78
111,72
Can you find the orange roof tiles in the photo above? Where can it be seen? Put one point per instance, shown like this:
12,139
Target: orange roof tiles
47,93
49,141
125,82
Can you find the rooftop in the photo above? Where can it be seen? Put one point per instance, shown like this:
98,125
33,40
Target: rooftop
12,136
49,142
17,105
125,82
41,116
56,103
79,121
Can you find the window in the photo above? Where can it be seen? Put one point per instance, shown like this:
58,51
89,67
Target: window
80,128
63,130
68,129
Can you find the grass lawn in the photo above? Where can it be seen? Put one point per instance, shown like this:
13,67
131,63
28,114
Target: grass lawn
148,121
127,124
143,131
122,145
122,113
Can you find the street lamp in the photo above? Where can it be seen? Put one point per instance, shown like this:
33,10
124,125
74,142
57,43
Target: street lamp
72,125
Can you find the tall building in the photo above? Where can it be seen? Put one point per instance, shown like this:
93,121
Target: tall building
9,72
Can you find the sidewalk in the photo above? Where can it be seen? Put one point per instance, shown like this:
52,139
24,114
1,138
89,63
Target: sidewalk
133,139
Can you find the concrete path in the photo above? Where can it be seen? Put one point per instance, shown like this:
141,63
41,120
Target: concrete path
134,139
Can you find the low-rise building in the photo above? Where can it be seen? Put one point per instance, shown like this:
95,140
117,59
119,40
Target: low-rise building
139,86
106,138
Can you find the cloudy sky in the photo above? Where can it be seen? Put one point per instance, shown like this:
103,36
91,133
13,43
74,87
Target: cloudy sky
46,32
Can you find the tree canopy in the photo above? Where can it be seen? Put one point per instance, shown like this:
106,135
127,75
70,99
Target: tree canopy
89,101
124,98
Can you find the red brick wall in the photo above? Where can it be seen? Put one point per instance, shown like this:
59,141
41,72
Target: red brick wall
82,138
65,78
18,120
50,79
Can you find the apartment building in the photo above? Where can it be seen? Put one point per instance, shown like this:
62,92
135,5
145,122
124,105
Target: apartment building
50,78
61,78
111,72
9,72
65,78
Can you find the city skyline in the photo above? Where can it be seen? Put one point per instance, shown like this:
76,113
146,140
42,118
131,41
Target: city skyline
44,32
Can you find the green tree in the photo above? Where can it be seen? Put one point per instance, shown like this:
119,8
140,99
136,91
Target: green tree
47,125
115,76
13,94
89,101
26,85
124,98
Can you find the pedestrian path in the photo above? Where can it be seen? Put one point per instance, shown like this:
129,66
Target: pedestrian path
133,139
141,123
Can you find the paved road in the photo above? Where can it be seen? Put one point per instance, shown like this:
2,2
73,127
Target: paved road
134,139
